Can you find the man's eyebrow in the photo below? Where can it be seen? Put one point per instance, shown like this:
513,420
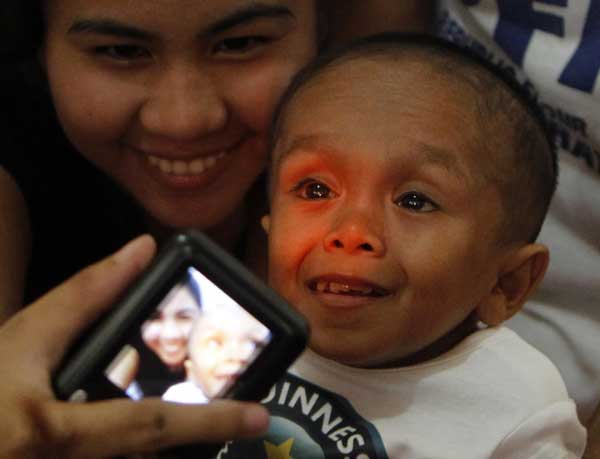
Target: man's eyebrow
110,27
441,157
431,155
248,14
307,142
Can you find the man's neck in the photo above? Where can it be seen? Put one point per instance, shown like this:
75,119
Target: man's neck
441,345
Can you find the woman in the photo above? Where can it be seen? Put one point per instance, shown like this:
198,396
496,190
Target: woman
140,121
154,358
140,117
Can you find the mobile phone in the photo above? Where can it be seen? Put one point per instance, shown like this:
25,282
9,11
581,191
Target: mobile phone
196,326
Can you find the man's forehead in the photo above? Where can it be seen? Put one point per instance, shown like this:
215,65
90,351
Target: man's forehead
324,146
403,86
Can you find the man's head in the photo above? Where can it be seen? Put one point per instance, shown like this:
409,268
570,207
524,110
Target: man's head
523,163
224,341
395,211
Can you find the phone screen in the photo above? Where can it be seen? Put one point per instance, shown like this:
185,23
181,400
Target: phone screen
192,348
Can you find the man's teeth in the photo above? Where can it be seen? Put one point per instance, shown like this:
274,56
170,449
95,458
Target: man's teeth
340,288
179,167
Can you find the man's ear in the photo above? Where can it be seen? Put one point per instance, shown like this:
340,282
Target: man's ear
265,222
521,273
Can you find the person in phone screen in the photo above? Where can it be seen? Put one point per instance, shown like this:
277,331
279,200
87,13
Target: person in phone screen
155,359
224,341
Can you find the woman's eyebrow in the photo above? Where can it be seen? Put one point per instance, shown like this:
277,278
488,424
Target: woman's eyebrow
110,27
241,16
247,14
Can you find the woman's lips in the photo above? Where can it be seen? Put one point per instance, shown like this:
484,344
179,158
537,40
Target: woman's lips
185,167
186,174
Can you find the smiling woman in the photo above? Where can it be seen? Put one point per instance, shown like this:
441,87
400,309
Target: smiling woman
155,121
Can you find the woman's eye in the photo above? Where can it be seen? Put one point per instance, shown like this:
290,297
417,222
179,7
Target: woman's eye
416,202
313,190
123,52
240,45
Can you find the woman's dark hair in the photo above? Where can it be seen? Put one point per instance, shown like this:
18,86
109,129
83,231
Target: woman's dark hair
21,28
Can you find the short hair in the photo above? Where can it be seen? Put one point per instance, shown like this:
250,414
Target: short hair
521,158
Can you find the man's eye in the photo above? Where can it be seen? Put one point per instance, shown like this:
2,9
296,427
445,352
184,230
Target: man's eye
416,202
123,52
214,343
240,45
313,190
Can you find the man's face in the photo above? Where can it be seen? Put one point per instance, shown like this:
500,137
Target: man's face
381,233
173,101
224,342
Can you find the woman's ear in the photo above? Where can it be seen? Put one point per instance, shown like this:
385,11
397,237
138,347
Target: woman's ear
521,273
265,222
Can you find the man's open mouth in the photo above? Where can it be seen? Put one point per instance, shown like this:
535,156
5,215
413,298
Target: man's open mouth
347,286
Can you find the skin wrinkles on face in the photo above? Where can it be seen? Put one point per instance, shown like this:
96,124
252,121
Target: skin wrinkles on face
317,152
192,89
372,164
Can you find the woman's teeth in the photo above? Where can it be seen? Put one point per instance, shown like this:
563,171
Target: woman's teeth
180,167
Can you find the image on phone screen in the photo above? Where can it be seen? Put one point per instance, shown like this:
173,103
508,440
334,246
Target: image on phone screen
193,347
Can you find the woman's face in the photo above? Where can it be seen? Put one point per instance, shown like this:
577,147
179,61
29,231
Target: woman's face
173,99
167,332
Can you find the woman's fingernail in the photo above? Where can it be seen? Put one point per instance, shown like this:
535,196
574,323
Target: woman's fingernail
131,247
255,420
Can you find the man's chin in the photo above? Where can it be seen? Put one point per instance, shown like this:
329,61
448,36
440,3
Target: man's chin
345,353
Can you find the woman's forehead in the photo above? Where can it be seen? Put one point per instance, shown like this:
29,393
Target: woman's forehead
208,10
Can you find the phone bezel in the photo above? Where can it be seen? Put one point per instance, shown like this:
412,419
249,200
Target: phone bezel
97,348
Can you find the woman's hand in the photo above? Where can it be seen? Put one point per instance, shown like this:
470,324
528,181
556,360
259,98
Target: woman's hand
34,424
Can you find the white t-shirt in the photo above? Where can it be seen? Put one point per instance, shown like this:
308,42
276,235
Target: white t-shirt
476,401
185,392
554,48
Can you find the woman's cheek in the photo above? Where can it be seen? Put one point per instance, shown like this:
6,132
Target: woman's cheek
255,96
150,333
186,329
108,105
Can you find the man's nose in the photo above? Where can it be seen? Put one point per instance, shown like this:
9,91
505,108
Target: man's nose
355,234
182,105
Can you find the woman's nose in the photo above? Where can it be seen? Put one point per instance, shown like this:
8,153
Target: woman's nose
355,235
182,105
170,330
